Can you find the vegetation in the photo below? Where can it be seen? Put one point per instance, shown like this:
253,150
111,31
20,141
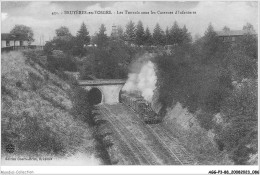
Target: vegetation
210,77
239,135
63,41
81,105
139,39
82,39
21,31
38,109
102,38
158,35
148,40
60,61
130,32
62,31
116,52
108,62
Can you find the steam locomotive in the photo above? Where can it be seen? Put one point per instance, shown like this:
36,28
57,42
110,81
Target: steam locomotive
141,107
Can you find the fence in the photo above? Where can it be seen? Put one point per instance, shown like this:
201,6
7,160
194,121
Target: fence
12,48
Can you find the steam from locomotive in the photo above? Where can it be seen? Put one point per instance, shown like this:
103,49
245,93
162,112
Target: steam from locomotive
142,78
139,89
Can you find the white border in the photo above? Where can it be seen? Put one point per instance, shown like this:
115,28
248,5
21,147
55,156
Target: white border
123,169
196,169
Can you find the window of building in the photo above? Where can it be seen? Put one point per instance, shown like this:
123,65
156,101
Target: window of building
7,43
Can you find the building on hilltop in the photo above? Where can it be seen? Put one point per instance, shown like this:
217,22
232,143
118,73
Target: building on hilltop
8,40
227,35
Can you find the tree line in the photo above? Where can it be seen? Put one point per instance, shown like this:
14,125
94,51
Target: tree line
133,34
109,56
100,55
136,34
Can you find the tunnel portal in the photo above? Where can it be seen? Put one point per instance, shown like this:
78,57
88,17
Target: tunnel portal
103,91
95,96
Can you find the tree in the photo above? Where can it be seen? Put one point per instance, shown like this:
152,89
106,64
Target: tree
130,32
63,41
139,39
210,43
175,34
82,37
248,27
102,38
23,31
120,32
62,31
117,33
158,35
185,36
94,38
167,36
239,134
243,57
210,32
148,39
226,29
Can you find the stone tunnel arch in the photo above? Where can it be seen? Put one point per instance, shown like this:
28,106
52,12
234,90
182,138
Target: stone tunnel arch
95,96
109,90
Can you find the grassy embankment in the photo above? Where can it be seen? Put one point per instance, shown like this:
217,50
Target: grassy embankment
40,115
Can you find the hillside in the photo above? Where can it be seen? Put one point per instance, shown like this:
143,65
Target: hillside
38,112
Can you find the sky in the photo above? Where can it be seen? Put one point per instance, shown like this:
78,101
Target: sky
38,15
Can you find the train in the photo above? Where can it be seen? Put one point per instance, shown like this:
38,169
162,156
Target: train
141,107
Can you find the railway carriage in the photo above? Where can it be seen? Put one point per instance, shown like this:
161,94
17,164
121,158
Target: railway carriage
141,107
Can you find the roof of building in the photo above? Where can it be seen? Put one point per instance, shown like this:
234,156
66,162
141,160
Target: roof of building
235,32
9,36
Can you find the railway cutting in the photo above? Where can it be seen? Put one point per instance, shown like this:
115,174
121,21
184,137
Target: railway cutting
143,139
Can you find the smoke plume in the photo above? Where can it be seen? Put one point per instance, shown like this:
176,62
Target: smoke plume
142,78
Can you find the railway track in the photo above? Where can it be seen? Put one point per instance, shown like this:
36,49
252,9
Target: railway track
170,135
176,159
142,143
165,138
178,150
140,152
125,148
157,146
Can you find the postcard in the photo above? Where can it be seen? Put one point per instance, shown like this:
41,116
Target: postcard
87,84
